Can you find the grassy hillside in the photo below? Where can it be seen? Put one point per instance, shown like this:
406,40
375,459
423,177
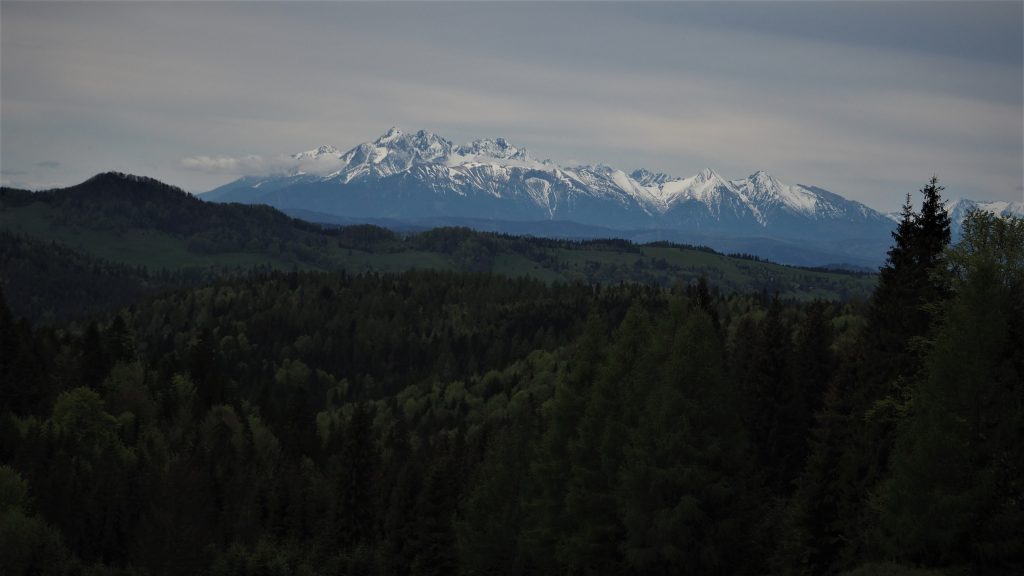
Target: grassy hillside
140,222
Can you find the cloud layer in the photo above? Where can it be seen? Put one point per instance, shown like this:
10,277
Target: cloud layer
254,165
860,98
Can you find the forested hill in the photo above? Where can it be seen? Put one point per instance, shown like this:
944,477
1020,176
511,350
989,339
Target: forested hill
50,282
141,221
457,421
146,225
437,422
116,201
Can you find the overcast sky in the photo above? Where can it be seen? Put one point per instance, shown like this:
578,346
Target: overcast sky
867,99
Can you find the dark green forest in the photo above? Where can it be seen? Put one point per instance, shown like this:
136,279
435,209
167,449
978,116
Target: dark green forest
145,235
299,420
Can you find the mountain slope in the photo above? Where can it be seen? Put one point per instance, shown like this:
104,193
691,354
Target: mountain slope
422,175
46,281
143,223
958,209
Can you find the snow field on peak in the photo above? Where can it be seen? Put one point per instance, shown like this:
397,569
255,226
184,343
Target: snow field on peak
496,168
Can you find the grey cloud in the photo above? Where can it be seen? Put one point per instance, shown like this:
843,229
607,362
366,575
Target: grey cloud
184,91
49,164
255,165
12,172
978,31
225,165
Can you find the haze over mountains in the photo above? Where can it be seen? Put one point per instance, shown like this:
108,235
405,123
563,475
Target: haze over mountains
424,179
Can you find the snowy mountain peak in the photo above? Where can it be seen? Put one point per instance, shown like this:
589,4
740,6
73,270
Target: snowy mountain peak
707,175
706,187
499,148
421,140
495,179
645,177
394,152
400,150
422,175
767,194
959,208
392,134
325,150
761,187
764,181
424,140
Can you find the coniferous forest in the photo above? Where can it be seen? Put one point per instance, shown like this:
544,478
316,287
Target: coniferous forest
453,422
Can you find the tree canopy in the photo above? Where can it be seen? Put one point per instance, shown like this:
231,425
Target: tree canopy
440,422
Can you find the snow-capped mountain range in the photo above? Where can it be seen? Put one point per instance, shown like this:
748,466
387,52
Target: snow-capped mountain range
419,176
958,209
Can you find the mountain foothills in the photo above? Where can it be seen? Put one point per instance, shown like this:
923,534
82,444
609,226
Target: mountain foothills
422,178
115,238
256,395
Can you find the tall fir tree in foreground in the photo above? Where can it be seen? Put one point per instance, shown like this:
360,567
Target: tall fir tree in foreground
954,493
908,286
911,289
933,227
851,444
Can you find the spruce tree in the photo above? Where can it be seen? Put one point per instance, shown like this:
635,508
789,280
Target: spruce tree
872,387
909,290
933,233
953,495
894,303
907,285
